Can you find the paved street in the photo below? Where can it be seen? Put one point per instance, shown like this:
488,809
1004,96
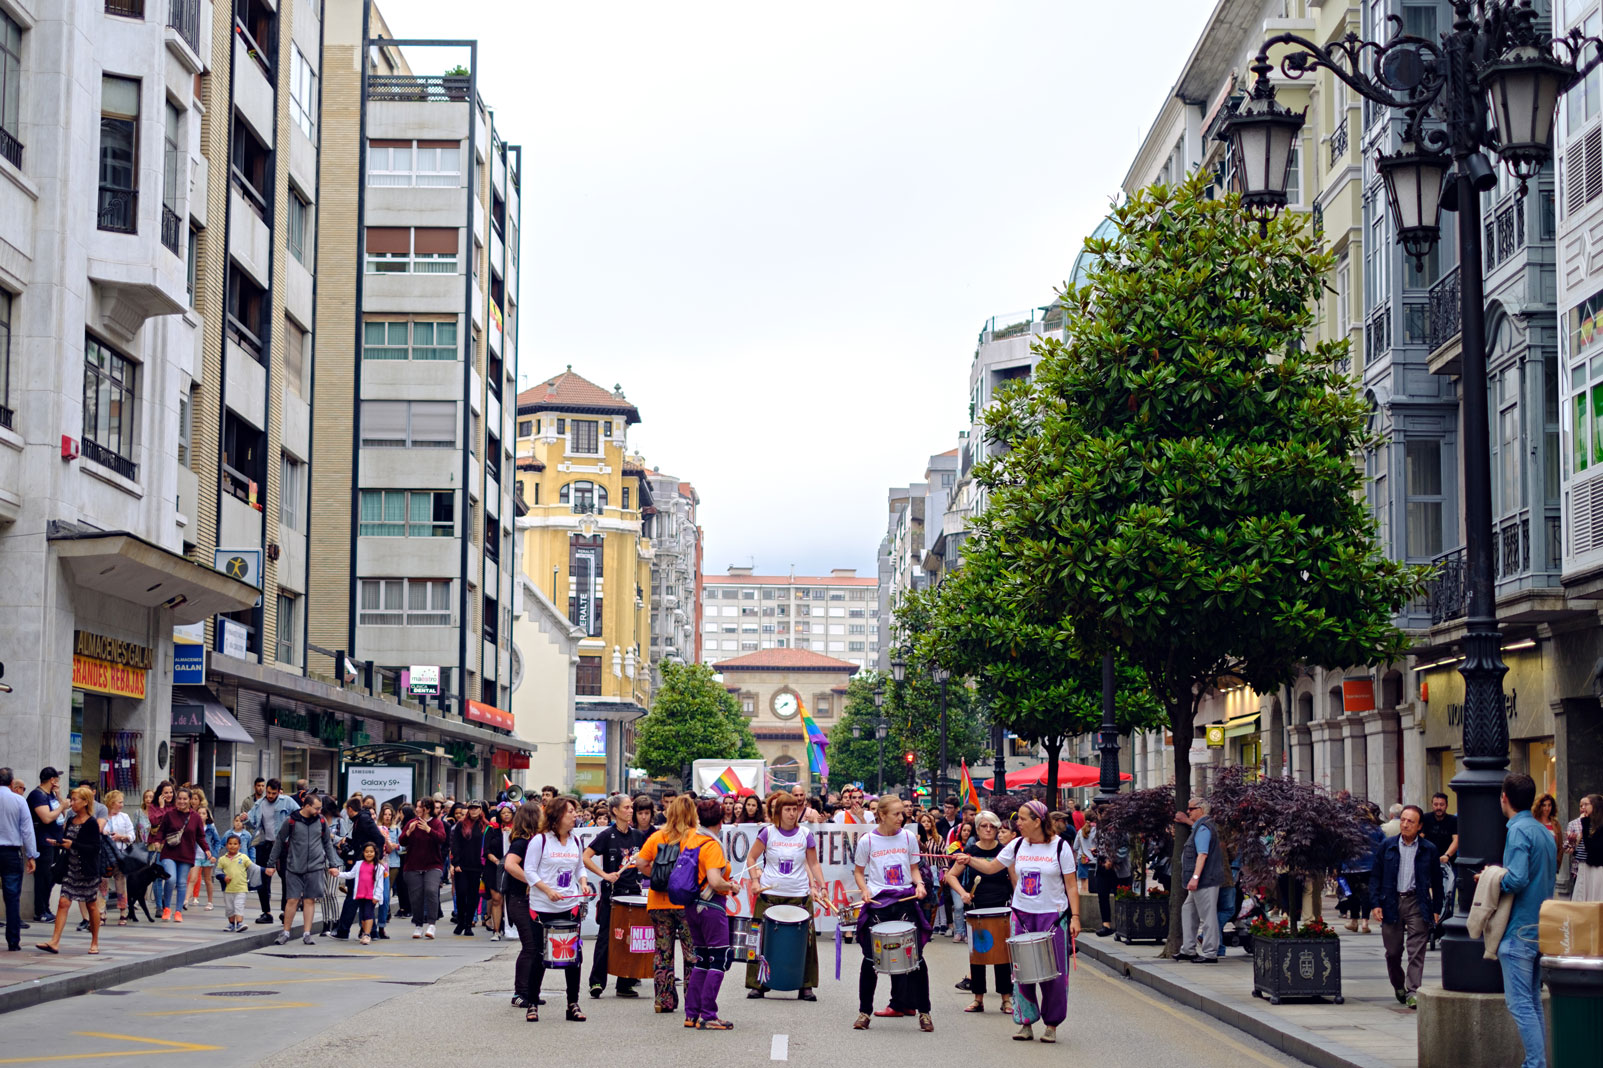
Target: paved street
426,1003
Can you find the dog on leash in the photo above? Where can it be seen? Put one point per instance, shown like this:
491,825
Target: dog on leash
142,869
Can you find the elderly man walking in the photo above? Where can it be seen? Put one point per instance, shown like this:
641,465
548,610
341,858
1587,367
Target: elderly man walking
1405,885
1203,865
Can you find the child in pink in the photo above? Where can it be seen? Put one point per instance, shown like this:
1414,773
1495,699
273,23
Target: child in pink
368,876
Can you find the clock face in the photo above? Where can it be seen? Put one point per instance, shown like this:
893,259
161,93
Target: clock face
784,705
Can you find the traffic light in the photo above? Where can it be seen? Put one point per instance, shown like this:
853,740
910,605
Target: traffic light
909,758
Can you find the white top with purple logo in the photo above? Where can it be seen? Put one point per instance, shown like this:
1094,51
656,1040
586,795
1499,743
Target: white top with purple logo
1038,867
784,871
887,861
559,867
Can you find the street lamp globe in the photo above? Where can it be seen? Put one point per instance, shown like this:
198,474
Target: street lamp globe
898,667
1414,182
1522,90
939,675
1261,135
857,731
879,697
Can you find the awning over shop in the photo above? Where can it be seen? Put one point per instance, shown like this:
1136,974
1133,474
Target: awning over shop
619,711
1235,728
489,715
213,714
120,565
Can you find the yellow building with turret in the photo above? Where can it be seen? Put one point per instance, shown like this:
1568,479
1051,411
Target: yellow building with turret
585,542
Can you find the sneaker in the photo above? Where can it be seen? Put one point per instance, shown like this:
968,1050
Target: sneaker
366,940
963,984
178,917
1412,1002
283,938
166,914
417,932
428,932
1402,996
496,937
266,917
307,940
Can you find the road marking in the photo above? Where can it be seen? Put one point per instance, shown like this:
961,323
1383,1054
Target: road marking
233,1008
780,1049
1129,987
162,1046
276,982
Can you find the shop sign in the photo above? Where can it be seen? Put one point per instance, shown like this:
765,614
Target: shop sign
506,761
1358,695
289,719
111,650
585,560
242,564
422,681
98,676
232,638
489,715
589,738
188,719
1216,736
382,782
189,655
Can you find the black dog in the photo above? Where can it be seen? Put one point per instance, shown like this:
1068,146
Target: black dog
141,868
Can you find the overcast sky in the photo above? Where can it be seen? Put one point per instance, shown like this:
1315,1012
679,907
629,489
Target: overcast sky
781,227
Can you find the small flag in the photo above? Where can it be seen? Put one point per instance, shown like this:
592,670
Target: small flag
966,792
817,763
727,783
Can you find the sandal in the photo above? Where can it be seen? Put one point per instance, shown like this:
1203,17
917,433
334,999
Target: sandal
976,1006
123,922
716,1025
574,1014
46,946
925,1023
862,1022
532,1015
94,951
1007,1007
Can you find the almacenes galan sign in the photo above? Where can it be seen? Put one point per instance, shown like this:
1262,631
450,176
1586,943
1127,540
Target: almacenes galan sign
109,665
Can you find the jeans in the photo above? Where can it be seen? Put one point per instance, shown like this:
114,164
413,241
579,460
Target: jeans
1522,990
175,885
11,865
959,925
42,880
531,941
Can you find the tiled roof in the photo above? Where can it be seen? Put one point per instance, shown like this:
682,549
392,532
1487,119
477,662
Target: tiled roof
569,392
788,580
785,660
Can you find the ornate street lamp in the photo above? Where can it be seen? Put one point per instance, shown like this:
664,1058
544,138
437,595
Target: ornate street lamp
940,676
1491,84
1262,134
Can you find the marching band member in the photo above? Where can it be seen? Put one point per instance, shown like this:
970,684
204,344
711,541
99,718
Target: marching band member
786,858
1044,891
991,891
555,868
888,877
708,917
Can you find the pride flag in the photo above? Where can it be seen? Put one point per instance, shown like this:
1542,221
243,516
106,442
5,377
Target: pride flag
816,741
966,793
727,783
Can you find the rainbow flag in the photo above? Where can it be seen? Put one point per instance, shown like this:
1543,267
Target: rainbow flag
966,793
817,764
727,783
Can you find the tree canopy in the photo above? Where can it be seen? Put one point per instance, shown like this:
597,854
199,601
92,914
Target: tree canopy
912,712
692,718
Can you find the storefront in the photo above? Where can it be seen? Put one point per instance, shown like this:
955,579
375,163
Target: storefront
1527,704
205,737
110,690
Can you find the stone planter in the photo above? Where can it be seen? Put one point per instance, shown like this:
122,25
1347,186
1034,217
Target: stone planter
1296,968
1144,919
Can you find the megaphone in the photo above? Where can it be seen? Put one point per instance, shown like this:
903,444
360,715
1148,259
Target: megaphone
514,792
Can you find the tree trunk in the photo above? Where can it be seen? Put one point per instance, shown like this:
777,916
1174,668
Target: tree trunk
1054,748
1182,710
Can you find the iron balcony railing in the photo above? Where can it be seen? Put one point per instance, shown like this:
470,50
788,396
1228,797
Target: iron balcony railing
93,450
417,88
1447,592
7,417
171,228
119,210
184,17
1505,233
1445,313
1377,334
128,9
10,148
1338,142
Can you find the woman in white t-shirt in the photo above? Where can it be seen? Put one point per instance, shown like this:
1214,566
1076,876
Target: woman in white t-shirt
120,828
785,857
885,866
554,864
1046,897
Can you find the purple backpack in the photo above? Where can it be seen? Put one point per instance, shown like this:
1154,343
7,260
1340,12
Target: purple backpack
684,882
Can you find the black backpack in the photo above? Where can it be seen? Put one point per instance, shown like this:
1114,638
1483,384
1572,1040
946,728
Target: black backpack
662,865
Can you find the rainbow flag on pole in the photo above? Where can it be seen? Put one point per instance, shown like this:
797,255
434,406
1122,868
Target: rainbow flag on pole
727,783
816,741
966,793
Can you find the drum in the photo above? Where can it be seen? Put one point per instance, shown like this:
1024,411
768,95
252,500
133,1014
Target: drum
562,945
784,946
631,951
987,935
848,920
1035,958
895,946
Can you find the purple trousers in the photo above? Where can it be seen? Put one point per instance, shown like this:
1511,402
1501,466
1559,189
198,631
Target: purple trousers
709,937
1048,1001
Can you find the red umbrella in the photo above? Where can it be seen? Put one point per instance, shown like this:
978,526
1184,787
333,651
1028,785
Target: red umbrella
1069,774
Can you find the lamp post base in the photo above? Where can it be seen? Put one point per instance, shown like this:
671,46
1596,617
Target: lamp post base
1465,968
1464,1030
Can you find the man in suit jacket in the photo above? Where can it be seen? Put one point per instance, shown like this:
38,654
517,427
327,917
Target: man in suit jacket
1405,885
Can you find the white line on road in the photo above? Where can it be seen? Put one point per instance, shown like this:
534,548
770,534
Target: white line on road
780,1050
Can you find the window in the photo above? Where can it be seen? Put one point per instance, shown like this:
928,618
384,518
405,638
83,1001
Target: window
257,21
252,163
416,163
291,492
584,496
400,424
297,358
856,628
405,602
7,416
404,340
108,408
587,677
420,250
244,456
855,647
172,173
302,94
10,88
287,648
1344,281
298,207
247,310
119,154
585,439
1423,475
490,615
525,427
626,498
186,424
1294,172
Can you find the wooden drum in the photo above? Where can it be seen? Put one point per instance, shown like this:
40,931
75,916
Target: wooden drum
988,932
632,946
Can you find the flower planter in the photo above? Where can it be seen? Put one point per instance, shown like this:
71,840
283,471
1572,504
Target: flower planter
1144,919
1296,968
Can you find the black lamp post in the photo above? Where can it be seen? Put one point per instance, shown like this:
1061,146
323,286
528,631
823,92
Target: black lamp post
1108,741
999,741
899,673
941,675
1491,84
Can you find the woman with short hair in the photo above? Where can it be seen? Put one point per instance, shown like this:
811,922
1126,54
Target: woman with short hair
982,891
554,869
785,858
667,918
708,918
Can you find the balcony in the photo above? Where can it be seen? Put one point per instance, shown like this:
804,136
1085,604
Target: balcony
7,417
1338,142
1445,323
10,148
128,9
183,16
119,210
1527,589
171,230
1505,234
585,506
92,450
417,89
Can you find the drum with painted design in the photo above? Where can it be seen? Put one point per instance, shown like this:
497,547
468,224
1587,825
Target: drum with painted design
895,946
987,935
562,944
632,948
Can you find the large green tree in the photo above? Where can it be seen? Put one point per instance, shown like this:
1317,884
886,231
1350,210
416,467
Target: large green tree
913,719
1182,479
692,718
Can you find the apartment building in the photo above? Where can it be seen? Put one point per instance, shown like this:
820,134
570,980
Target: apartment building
170,153
587,542
772,686
837,614
675,574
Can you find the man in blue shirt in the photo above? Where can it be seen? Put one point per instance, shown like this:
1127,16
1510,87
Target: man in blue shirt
263,819
18,848
1530,857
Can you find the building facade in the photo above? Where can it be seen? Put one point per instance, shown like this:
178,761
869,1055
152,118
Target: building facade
836,614
586,542
772,685
675,574
546,654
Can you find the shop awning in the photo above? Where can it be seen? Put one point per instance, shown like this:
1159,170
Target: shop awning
619,711
120,565
1235,728
219,721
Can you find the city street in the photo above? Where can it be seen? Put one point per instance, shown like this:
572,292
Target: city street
444,1002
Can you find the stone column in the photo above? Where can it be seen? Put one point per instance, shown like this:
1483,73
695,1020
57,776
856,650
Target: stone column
1302,753
1355,756
1382,746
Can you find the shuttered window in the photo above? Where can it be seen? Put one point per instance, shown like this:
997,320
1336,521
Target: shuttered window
398,424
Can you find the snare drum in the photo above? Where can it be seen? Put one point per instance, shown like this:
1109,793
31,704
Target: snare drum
987,935
562,944
847,920
1035,958
895,946
632,947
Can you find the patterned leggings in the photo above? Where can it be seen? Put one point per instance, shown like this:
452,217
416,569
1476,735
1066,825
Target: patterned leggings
670,925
